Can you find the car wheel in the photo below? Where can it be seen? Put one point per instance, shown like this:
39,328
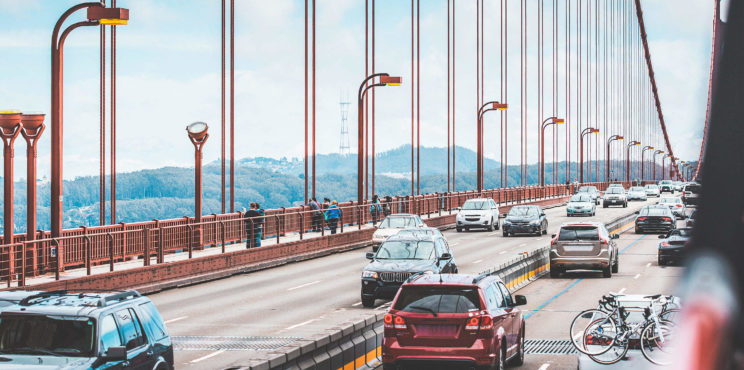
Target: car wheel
545,230
604,205
554,271
625,205
607,272
616,267
518,360
497,225
501,364
661,262
368,301
467,229
490,226
504,234
459,229
389,367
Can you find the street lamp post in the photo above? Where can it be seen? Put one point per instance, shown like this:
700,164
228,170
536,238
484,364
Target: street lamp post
654,162
586,131
663,166
643,163
198,135
10,127
492,105
673,162
97,14
627,158
607,162
547,122
32,128
384,80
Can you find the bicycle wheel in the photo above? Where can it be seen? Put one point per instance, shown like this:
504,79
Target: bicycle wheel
616,353
671,315
657,343
593,332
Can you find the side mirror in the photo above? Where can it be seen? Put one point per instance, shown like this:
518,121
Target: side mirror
375,248
552,236
520,300
458,209
116,354
615,236
662,236
542,215
445,257
637,212
370,255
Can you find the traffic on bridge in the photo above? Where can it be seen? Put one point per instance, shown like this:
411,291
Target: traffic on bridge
605,235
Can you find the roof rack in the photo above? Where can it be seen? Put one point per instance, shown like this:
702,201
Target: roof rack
118,296
480,277
27,301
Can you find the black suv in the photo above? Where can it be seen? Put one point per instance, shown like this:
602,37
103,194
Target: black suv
398,258
526,220
88,330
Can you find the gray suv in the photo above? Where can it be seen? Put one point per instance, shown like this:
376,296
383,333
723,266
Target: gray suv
89,330
583,246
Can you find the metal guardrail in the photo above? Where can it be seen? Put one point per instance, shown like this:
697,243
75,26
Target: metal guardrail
101,245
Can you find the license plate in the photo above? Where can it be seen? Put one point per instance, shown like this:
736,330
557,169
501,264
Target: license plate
436,330
578,248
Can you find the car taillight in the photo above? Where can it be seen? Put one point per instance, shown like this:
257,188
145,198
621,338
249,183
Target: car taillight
388,320
641,219
473,323
678,205
664,244
603,241
399,322
666,219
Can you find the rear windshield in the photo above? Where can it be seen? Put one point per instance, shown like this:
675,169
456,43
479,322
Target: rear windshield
651,187
670,200
523,211
615,190
654,212
406,250
44,335
681,232
397,223
476,205
636,188
579,233
438,300
695,189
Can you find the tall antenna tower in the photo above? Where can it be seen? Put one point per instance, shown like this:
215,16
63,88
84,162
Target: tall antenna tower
343,146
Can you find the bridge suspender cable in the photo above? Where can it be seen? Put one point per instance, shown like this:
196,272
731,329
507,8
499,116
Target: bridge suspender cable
650,67
713,58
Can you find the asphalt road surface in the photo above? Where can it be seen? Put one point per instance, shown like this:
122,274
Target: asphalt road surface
302,299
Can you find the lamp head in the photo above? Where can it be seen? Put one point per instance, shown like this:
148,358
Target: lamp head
594,131
390,80
9,119
620,138
197,130
109,16
500,106
32,121
559,121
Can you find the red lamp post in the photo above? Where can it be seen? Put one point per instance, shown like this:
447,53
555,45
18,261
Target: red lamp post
492,105
198,135
654,162
32,128
586,131
384,80
547,122
607,162
96,15
627,158
643,162
10,127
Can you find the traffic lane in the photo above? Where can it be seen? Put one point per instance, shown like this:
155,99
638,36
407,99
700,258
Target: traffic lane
553,303
479,250
327,290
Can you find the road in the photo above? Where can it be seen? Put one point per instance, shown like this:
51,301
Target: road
553,303
302,299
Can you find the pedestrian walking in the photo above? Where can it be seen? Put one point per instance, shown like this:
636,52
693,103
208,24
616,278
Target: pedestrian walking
375,209
250,218
332,215
261,219
387,206
316,215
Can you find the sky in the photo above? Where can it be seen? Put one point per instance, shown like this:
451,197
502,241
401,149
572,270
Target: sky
168,75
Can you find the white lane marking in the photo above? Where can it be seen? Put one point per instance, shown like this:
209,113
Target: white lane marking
478,261
648,264
621,291
454,244
502,252
637,276
523,244
304,285
300,324
356,304
207,356
544,367
174,320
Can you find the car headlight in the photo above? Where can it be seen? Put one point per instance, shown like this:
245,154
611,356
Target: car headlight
506,222
535,222
369,274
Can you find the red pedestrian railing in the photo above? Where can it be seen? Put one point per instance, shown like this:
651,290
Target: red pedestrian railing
109,244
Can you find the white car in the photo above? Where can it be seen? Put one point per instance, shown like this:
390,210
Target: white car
676,205
614,195
637,193
394,223
479,213
652,191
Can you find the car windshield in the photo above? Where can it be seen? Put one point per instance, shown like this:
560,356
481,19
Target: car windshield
406,250
686,233
655,211
397,223
695,189
476,205
666,182
636,188
581,198
416,232
523,211
670,200
651,187
615,190
437,300
578,233
47,335
587,189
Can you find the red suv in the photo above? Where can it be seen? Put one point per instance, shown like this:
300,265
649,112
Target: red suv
450,320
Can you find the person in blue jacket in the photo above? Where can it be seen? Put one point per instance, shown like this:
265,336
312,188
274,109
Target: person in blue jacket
332,215
375,208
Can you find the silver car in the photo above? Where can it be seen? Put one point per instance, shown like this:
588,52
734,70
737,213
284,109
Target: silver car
652,191
584,246
615,196
637,193
676,205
